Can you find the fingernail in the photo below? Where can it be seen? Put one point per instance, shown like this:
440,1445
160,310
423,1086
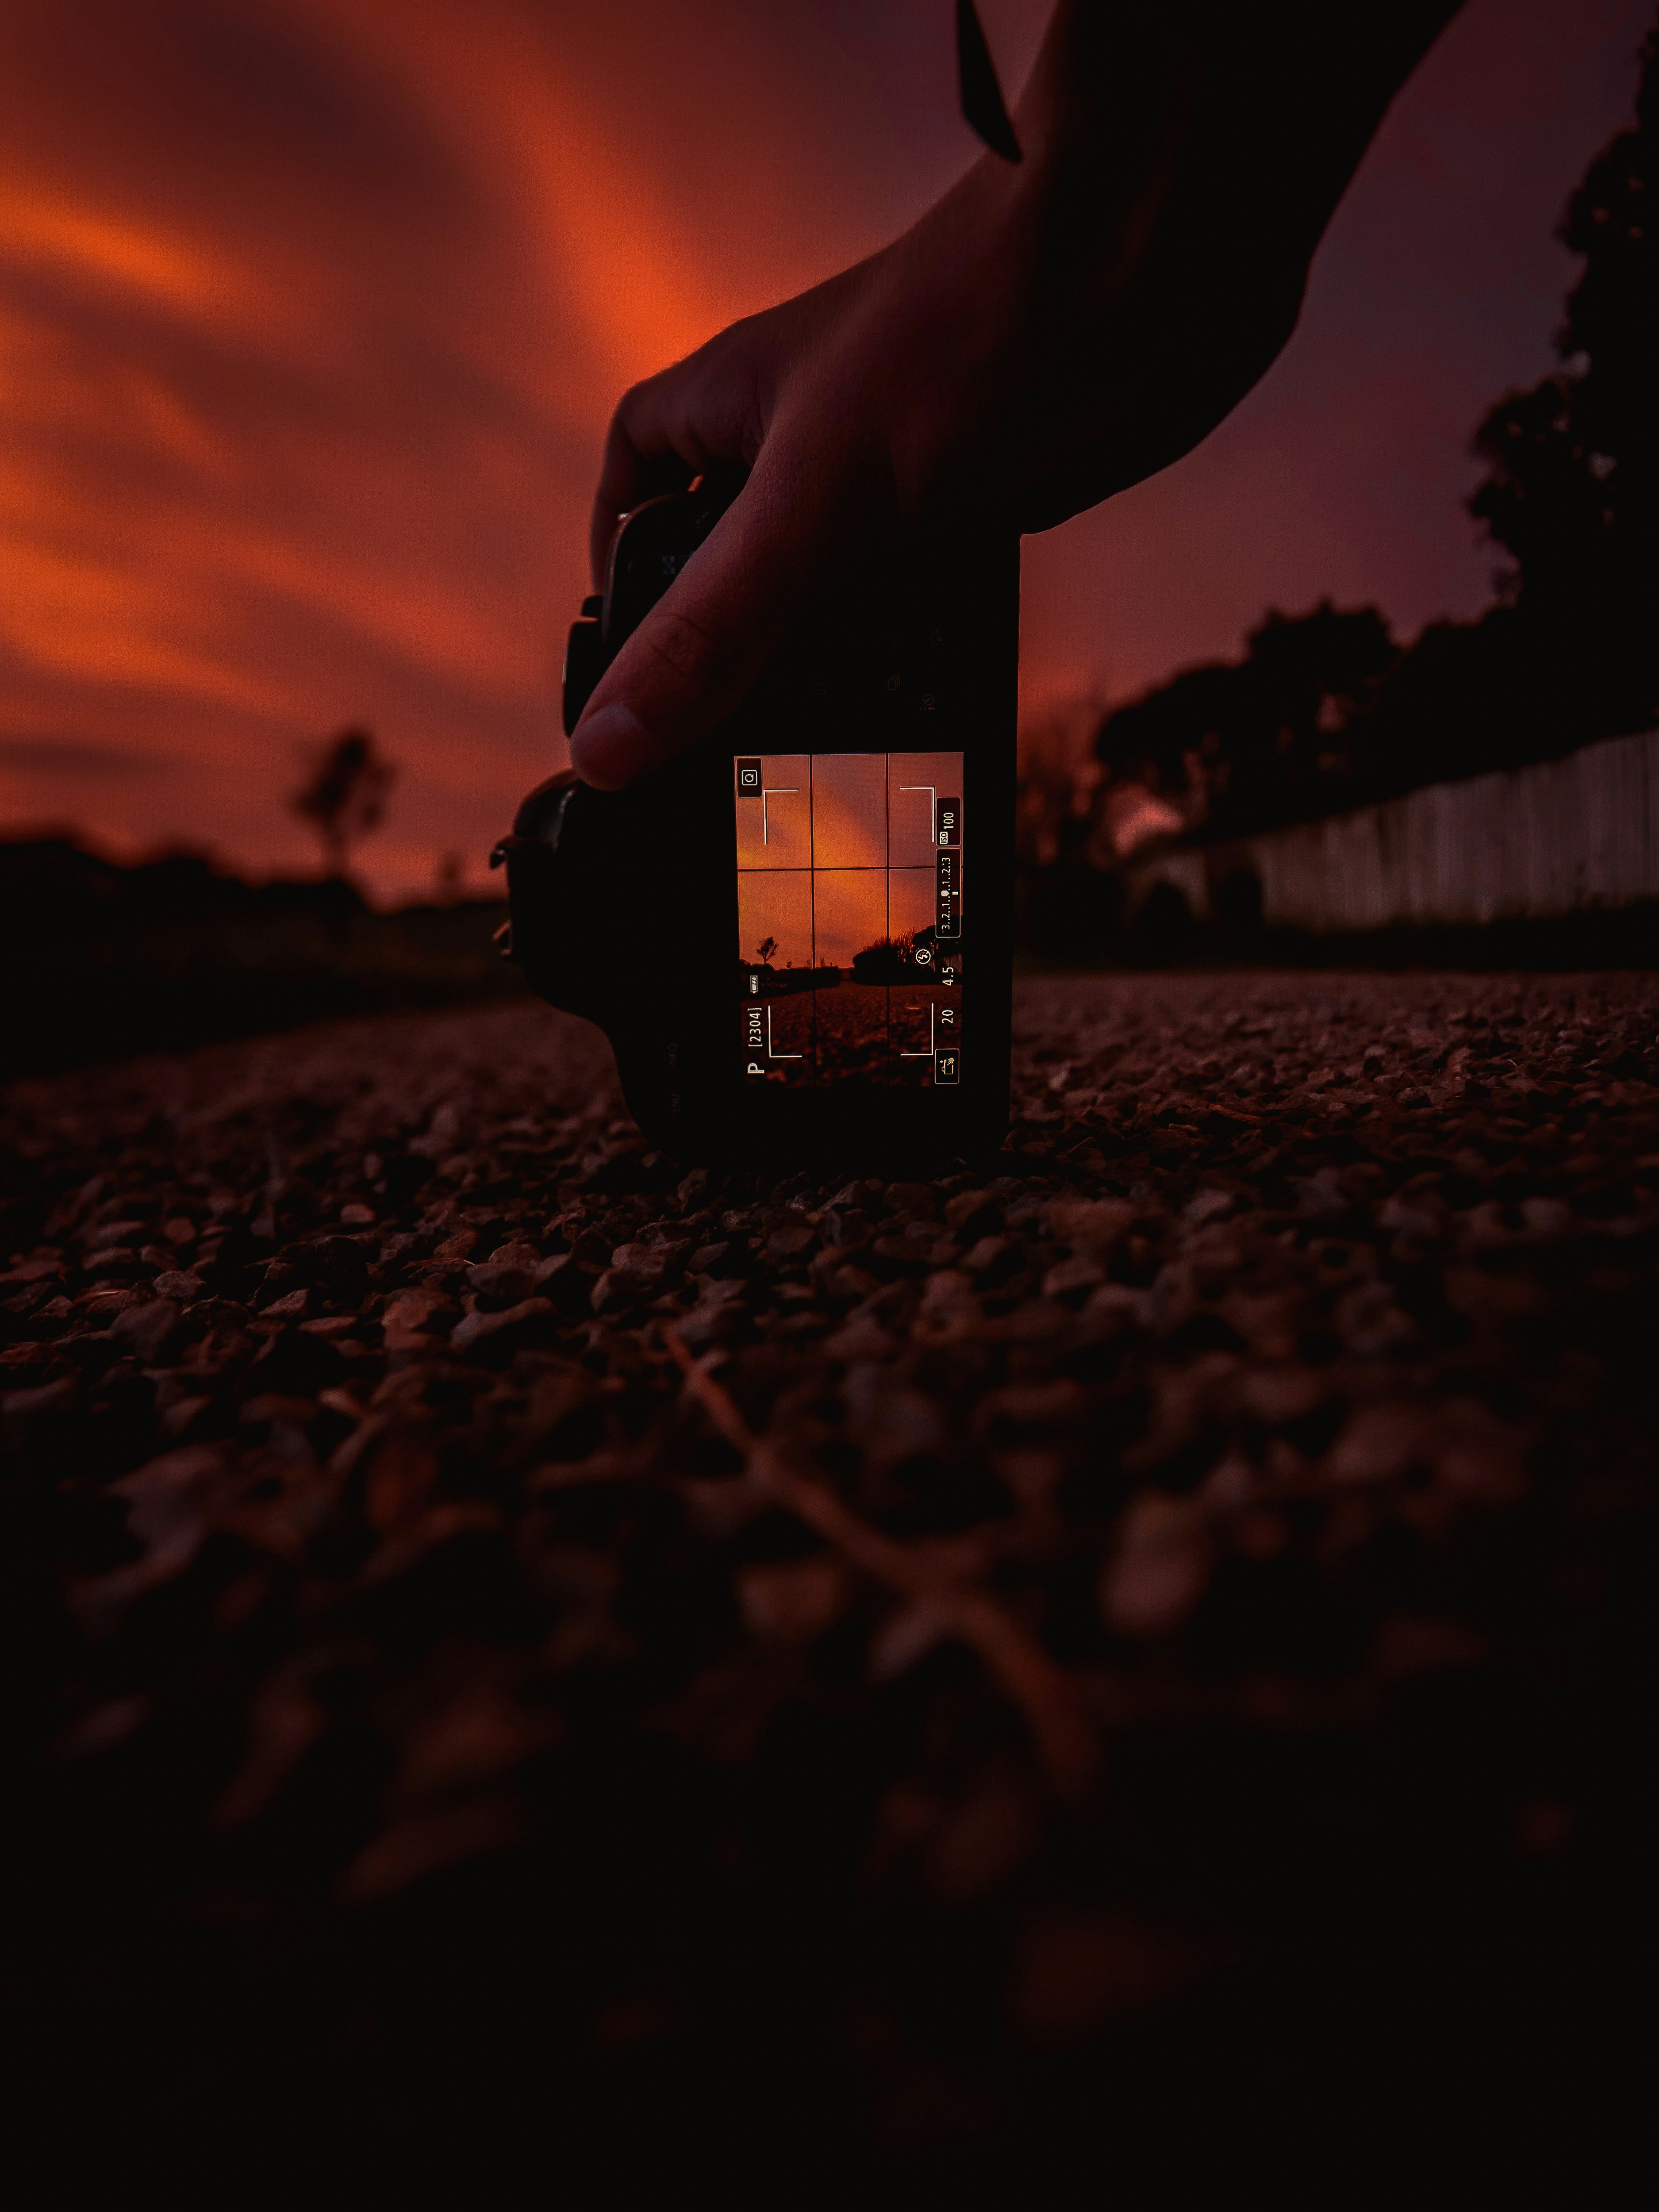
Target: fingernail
612,747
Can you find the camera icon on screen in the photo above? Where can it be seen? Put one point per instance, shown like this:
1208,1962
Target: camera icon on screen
748,778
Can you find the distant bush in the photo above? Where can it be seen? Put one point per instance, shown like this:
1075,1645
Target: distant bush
174,951
887,961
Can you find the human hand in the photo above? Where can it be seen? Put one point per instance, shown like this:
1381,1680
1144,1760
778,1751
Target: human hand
1048,333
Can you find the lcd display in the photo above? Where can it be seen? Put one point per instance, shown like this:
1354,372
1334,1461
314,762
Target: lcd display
849,917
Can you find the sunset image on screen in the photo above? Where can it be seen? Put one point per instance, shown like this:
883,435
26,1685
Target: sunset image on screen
849,872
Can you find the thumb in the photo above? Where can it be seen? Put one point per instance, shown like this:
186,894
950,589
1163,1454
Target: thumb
695,657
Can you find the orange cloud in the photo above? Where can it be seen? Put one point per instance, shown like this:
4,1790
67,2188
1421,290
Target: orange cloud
92,247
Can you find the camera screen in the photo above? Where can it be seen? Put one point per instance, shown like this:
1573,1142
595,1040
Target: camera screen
849,917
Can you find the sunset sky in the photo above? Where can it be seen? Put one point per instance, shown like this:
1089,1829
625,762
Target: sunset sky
311,313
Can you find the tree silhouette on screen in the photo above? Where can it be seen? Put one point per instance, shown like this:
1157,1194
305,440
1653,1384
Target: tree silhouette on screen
344,797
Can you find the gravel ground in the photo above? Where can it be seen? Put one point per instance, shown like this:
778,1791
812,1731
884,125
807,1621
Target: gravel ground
1139,1641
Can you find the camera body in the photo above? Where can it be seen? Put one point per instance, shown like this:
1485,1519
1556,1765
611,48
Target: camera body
798,936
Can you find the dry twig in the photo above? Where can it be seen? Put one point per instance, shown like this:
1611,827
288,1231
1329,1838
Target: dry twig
1065,1738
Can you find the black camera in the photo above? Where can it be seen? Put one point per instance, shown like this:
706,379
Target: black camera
799,935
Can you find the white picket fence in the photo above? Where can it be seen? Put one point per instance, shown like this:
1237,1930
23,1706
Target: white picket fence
1552,839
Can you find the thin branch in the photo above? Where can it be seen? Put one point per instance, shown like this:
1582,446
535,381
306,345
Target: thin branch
1066,1740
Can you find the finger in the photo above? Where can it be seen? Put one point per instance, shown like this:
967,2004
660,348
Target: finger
633,469
669,429
695,657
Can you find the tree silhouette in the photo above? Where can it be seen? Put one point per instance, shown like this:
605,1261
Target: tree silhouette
1244,743
344,797
1572,495
886,961
765,949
